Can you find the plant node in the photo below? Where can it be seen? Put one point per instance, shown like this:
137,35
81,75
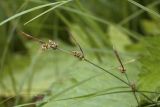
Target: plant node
133,87
122,70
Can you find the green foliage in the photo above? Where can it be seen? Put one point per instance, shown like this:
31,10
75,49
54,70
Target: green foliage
120,40
26,72
149,75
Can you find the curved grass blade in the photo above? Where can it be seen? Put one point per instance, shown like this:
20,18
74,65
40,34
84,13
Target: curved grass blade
94,95
56,6
23,105
137,13
28,11
144,8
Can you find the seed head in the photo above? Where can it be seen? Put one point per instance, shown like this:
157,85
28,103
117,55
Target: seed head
53,44
78,54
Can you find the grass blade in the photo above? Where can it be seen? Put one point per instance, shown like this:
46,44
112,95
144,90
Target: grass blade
137,13
144,8
58,5
93,95
28,11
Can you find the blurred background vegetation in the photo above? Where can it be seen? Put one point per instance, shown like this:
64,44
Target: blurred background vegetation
27,74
